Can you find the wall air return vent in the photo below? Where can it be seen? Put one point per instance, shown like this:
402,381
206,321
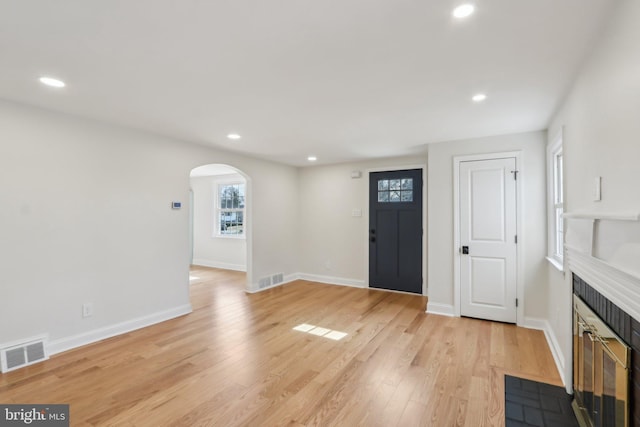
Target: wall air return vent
277,278
23,354
265,282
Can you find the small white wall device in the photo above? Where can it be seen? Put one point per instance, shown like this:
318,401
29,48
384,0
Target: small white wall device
176,205
597,189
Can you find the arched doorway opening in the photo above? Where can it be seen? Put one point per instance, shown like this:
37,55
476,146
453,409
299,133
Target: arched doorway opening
220,218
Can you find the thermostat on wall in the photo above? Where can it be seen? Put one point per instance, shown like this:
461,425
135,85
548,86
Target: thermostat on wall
176,205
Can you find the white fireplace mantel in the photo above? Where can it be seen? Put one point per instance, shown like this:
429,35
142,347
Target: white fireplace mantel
604,250
614,216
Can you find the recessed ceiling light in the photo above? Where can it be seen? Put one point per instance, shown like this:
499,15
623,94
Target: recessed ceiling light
312,158
50,81
463,10
234,136
479,97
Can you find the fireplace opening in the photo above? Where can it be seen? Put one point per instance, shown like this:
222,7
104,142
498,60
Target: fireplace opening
601,363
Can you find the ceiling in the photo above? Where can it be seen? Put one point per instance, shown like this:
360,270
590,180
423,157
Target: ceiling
341,80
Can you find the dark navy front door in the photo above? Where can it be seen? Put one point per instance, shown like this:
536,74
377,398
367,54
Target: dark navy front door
395,230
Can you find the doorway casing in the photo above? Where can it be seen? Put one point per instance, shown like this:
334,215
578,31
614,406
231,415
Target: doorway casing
457,160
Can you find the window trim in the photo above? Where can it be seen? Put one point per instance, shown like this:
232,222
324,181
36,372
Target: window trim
555,190
218,209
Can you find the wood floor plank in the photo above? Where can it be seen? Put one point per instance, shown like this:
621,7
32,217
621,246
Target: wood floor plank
236,361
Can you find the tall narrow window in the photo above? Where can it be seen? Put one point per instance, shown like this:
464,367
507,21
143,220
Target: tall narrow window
558,202
555,166
231,209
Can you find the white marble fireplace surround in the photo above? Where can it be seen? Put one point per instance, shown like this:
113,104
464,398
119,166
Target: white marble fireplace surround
604,250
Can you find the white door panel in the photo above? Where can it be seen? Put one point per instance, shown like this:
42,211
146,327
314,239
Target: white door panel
488,281
488,229
487,205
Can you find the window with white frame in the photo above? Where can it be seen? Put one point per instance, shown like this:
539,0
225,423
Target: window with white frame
555,166
230,209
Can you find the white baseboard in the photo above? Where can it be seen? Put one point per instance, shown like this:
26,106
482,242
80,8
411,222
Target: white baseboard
552,341
534,323
440,309
68,343
215,264
331,280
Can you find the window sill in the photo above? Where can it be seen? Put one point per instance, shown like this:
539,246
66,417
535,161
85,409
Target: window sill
229,236
557,264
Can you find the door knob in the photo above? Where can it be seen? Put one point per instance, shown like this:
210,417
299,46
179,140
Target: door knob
465,250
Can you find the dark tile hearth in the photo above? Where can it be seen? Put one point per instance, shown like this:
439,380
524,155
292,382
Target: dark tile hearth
530,403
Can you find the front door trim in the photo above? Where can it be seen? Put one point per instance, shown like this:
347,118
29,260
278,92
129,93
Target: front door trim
365,231
457,160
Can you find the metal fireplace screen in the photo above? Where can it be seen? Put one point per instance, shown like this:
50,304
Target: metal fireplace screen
600,371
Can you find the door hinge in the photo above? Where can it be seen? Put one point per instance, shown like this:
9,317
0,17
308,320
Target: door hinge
515,239
515,174
516,302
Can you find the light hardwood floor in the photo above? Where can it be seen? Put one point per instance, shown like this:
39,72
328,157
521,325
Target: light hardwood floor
235,361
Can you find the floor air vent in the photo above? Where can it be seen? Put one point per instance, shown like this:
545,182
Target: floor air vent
24,354
277,278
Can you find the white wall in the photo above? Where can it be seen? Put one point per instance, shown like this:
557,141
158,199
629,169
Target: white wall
532,241
333,243
86,217
601,119
209,249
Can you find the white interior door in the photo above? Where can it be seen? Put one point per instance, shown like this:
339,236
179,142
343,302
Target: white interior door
488,236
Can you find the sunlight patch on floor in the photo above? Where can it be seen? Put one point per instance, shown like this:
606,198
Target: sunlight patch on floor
321,332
